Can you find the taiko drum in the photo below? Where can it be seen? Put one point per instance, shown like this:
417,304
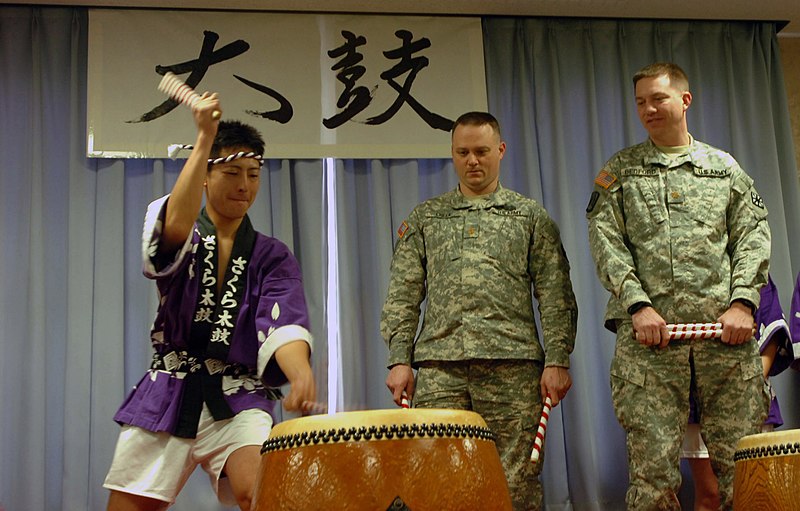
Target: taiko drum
767,474
418,459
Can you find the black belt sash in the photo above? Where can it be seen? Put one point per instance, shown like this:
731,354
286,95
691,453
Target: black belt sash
203,379
213,326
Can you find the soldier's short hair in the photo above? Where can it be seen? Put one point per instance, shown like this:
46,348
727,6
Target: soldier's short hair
236,134
477,119
677,77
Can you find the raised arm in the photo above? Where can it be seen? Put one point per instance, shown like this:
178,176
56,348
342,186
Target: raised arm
187,194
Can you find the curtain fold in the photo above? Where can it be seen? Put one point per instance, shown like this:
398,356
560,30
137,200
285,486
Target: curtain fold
76,312
374,197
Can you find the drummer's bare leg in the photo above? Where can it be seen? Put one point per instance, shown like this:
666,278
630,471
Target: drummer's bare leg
242,471
706,490
120,501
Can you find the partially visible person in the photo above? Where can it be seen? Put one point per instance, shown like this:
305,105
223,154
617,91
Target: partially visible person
777,349
794,322
679,234
232,326
479,255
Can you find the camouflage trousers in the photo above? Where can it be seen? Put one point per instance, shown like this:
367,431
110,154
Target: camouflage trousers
650,391
506,394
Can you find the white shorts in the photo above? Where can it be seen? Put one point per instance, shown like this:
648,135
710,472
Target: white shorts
693,445
157,465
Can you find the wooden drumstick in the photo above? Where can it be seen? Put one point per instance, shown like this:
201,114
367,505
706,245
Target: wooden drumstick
404,401
314,407
537,443
175,88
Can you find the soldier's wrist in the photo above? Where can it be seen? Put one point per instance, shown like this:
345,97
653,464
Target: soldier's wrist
636,307
747,303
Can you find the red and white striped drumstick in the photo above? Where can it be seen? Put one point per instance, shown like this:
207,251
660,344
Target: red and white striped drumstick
694,330
537,443
175,88
404,401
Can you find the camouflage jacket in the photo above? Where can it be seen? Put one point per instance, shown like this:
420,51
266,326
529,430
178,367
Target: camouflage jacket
475,262
689,236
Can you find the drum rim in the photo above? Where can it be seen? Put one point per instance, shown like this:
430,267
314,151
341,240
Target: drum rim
426,423
389,416
771,443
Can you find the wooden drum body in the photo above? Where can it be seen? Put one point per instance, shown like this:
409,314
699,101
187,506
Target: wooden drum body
418,459
767,475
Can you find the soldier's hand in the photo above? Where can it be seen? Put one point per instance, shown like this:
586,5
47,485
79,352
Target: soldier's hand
401,378
738,325
556,381
650,328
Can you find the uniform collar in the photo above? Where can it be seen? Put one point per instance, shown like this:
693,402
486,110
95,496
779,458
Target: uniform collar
654,156
500,198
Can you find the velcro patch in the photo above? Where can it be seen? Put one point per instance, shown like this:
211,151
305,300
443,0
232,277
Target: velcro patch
592,201
402,229
605,179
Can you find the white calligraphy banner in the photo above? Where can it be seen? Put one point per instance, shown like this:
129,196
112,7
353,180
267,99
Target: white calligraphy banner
344,86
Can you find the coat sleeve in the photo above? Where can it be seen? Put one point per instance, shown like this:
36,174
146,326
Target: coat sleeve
281,315
608,241
749,242
548,267
401,310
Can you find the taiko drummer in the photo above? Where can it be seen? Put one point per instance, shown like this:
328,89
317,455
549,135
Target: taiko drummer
232,326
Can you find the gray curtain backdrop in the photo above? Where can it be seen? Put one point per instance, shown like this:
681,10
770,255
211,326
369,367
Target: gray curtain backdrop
76,311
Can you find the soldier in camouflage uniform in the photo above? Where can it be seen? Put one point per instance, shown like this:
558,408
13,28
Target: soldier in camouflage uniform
679,235
474,253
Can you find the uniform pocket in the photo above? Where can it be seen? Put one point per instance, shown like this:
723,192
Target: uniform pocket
643,209
507,239
752,368
442,242
627,389
708,205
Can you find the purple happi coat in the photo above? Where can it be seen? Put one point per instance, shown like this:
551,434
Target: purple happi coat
772,327
794,322
212,349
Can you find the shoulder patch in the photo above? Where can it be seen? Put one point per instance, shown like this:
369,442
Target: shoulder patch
605,179
757,200
403,229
